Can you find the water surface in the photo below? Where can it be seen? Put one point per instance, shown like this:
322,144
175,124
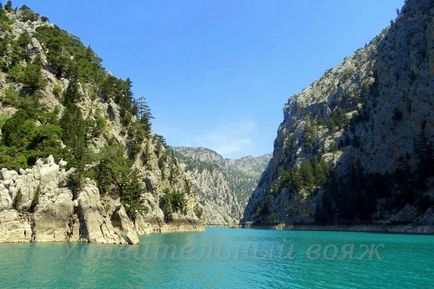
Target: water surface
227,258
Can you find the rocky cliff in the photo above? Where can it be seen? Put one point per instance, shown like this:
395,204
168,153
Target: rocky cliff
36,205
107,176
356,146
223,184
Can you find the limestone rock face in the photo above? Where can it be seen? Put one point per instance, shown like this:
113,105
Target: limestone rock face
124,226
5,198
48,212
220,205
356,146
37,206
97,227
52,218
222,183
15,227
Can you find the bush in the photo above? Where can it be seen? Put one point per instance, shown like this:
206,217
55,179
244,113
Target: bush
57,90
19,48
99,126
12,158
18,129
337,119
26,14
173,201
29,75
23,141
35,201
11,97
32,78
3,119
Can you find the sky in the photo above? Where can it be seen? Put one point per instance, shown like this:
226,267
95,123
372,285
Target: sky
216,73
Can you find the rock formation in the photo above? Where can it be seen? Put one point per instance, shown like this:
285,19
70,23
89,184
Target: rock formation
223,185
37,206
58,103
356,146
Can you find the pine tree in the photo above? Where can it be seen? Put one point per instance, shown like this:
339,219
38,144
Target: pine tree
9,6
71,93
144,113
115,176
75,135
306,172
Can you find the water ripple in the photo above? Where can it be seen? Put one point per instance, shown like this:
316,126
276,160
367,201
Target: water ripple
406,262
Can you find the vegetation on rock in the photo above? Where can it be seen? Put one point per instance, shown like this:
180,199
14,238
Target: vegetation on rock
57,99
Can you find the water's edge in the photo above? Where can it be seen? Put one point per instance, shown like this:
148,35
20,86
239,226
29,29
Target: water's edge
397,229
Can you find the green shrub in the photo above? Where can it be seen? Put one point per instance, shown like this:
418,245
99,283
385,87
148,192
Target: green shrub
35,201
26,14
29,75
3,118
16,73
32,78
100,126
23,141
19,48
11,97
173,201
18,129
4,20
338,119
12,158
57,90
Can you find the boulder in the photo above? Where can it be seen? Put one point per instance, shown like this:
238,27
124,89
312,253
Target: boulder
62,163
49,173
7,175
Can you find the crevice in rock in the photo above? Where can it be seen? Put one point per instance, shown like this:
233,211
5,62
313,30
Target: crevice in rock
83,233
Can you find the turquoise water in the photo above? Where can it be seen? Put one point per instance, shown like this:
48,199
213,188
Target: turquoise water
227,258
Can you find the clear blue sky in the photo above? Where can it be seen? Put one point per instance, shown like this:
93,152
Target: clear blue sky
217,73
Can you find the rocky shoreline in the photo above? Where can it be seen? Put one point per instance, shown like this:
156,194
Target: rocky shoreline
36,205
392,229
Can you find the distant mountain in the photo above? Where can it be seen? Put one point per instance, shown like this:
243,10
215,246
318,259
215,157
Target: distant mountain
356,146
224,185
244,174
